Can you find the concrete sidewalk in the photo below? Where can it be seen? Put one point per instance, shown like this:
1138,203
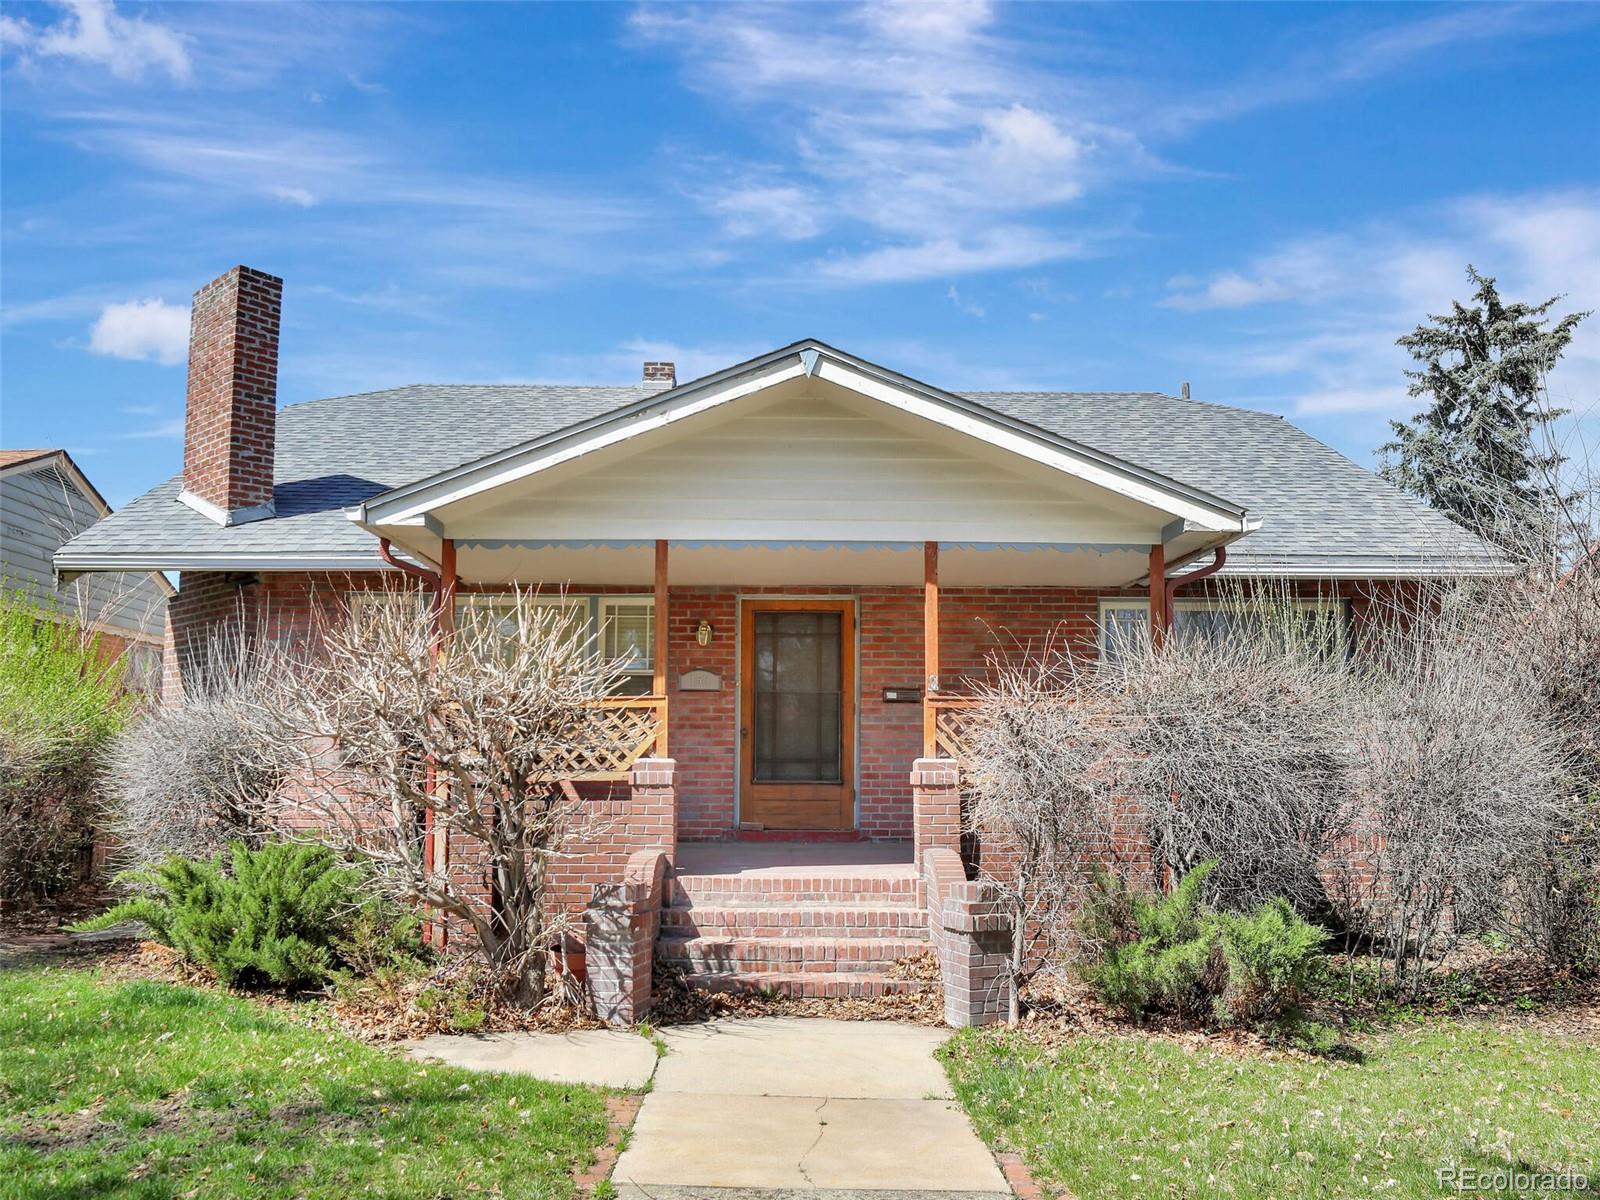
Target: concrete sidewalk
800,1108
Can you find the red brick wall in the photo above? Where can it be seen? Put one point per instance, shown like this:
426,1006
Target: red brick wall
976,624
233,389
703,730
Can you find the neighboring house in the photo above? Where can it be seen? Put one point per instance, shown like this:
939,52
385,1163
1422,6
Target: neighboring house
44,501
805,556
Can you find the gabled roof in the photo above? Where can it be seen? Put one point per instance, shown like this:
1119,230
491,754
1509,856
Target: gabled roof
1324,515
808,358
44,499
17,458
16,461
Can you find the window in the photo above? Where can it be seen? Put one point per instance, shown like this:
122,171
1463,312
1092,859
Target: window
628,632
1122,618
490,612
618,627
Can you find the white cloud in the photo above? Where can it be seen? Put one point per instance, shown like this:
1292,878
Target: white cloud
915,123
1228,289
997,250
298,196
964,306
1344,297
1337,59
928,22
1019,138
94,32
142,329
758,210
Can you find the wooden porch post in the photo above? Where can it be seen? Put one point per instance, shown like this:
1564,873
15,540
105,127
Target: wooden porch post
446,616
1160,620
658,687
930,647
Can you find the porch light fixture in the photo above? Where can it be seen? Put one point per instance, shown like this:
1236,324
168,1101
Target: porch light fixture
703,634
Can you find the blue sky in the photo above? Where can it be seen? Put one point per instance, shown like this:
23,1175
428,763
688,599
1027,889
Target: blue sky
1256,199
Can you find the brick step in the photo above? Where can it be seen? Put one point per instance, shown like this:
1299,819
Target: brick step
838,888
805,984
796,920
787,955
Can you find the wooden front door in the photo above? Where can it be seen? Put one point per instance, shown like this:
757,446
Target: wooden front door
797,714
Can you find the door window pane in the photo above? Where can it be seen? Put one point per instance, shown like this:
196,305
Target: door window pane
799,687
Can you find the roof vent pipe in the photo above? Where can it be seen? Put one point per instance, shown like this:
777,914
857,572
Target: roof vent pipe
1185,392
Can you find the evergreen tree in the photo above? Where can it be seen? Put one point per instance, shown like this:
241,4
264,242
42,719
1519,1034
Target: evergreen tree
1481,450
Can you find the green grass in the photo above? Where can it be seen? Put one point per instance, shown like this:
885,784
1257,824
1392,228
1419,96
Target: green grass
1138,1117
147,1090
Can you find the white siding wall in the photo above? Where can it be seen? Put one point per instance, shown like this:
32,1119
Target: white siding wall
807,468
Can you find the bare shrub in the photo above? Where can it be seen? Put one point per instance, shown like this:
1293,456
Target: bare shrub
1549,624
390,743
1462,774
1538,635
1039,748
1232,748
189,778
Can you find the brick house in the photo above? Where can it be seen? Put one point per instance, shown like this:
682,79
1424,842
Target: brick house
806,558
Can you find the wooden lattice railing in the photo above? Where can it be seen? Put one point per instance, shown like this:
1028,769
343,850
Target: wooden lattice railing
632,728
944,726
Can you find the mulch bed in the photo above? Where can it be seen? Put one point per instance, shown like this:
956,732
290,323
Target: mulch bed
1509,990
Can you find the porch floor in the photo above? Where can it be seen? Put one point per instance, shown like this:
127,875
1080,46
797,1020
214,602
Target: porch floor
795,859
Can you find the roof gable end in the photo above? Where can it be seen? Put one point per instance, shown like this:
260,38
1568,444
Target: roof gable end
412,503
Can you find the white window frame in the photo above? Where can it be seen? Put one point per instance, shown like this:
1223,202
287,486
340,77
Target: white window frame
1333,604
605,604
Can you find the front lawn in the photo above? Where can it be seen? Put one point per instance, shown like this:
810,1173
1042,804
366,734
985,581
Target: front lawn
1132,1116
139,1089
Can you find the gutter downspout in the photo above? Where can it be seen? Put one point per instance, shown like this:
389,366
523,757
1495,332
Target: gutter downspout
1205,572
387,554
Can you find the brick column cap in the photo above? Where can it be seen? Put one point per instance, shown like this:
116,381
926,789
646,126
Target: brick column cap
654,772
933,773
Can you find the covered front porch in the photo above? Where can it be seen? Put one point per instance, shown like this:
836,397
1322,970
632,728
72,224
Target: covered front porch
804,561
797,700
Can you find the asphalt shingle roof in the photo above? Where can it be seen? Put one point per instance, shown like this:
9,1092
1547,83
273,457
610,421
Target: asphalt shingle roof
1319,507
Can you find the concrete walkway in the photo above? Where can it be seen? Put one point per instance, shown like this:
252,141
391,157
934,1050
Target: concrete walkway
801,1108
613,1058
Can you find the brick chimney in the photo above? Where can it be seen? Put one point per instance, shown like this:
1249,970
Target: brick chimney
233,397
661,374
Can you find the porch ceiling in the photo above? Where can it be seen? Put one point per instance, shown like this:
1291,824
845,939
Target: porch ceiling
810,564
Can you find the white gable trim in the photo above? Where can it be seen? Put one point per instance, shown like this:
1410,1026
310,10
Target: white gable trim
405,505
1120,478
62,462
